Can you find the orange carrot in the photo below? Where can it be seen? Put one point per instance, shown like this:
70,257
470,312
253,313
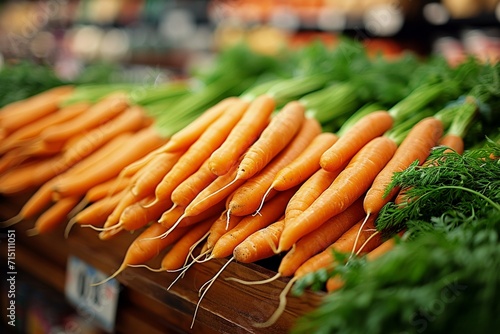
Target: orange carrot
13,159
244,133
219,228
31,131
416,146
454,142
176,217
137,215
367,128
100,112
248,197
185,137
383,248
35,205
146,180
147,246
33,108
131,120
54,216
197,153
308,192
107,188
334,283
348,186
320,238
273,139
214,193
96,213
344,244
141,143
260,244
177,256
188,189
270,213
305,164
28,177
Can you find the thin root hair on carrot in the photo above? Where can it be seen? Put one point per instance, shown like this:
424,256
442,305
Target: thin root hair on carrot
69,226
257,212
12,221
103,229
82,204
155,270
357,237
32,232
264,281
110,277
374,234
211,281
281,307
193,247
183,270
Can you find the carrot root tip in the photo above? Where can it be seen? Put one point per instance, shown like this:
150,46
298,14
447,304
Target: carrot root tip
14,220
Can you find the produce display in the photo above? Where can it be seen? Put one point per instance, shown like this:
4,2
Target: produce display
375,181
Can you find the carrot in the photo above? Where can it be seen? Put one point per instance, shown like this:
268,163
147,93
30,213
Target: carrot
383,248
177,256
31,131
273,139
137,215
98,113
260,244
148,177
197,153
33,108
96,213
243,134
176,217
325,259
306,164
308,192
54,216
219,228
416,146
454,142
345,244
250,196
146,246
348,186
40,200
184,138
28,176
13,159
334,283
39,148
367,128
320,238
131,120
144,141
218,190
271,212
106,188
188,189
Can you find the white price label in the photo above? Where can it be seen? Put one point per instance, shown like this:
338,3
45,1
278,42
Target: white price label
95,303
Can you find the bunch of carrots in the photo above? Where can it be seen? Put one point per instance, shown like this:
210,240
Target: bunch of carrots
254,175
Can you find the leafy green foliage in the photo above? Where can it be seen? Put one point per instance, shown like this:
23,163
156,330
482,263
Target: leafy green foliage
25,79
443,276
448,182
446,280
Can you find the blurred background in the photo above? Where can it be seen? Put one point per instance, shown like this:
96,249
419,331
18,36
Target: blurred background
172,35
